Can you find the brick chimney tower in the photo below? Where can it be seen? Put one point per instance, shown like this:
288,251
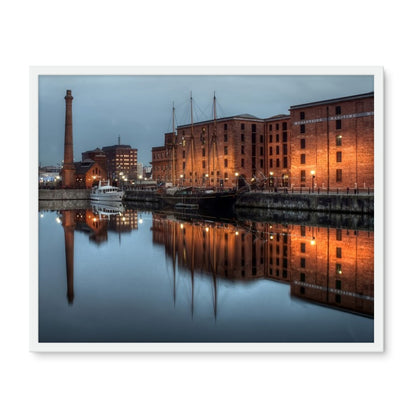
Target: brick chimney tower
68,171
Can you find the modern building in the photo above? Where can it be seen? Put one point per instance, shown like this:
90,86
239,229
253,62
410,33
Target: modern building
121,162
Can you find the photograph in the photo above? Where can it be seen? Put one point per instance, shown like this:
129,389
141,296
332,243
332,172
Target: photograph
207,209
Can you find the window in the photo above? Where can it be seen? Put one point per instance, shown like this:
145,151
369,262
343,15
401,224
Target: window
302,262
338,284
339,252
183,154
261,163
253,128
242,163
302,158
225,127
339,175
225,163
285,136
270,163
261,151
302,230
277,126
339,156
303,175
338,140
338,124
270,127
242,150
285,149
338,110
302,143
302,247
226,150
271,138
302,129
261,138
203,152
284,126
203,164
339,234
277,150
226,137
277,138
338,269
270,150
285,162
302,115
242,137
243,126
278,163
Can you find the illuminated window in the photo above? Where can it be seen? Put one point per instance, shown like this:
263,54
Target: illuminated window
338,140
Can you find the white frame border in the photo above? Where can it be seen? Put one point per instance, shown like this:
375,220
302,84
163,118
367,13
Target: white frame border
379,313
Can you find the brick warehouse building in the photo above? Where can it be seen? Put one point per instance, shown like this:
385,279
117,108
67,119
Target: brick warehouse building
322,143
333,143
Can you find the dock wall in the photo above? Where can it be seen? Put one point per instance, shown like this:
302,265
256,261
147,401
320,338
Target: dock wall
63,194
333,203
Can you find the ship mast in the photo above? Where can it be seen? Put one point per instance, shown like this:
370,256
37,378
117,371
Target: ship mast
192,141
173,145
214,136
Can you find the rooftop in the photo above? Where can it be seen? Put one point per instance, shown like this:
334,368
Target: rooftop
334,100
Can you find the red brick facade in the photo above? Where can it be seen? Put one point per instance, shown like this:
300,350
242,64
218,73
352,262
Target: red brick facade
321,144
333,143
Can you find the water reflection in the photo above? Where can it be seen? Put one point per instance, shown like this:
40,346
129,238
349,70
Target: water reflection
329,266
230,270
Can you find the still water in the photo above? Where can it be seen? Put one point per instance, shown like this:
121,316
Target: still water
137,276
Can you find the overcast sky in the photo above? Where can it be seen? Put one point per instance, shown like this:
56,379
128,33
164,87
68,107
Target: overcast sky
139,108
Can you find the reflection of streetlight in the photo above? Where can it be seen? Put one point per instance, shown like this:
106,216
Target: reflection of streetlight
313,179
181,176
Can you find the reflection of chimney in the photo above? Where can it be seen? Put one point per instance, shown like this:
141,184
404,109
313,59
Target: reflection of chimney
68,171
68,222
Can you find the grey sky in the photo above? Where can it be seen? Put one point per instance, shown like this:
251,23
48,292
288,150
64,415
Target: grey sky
139,108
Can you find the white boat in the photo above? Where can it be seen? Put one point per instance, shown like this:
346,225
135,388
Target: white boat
107,192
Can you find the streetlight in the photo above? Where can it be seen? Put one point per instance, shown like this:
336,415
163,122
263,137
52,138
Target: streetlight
236,180
313,179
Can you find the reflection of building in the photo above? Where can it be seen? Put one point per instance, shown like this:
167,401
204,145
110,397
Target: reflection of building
323,143
324,265
94,224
